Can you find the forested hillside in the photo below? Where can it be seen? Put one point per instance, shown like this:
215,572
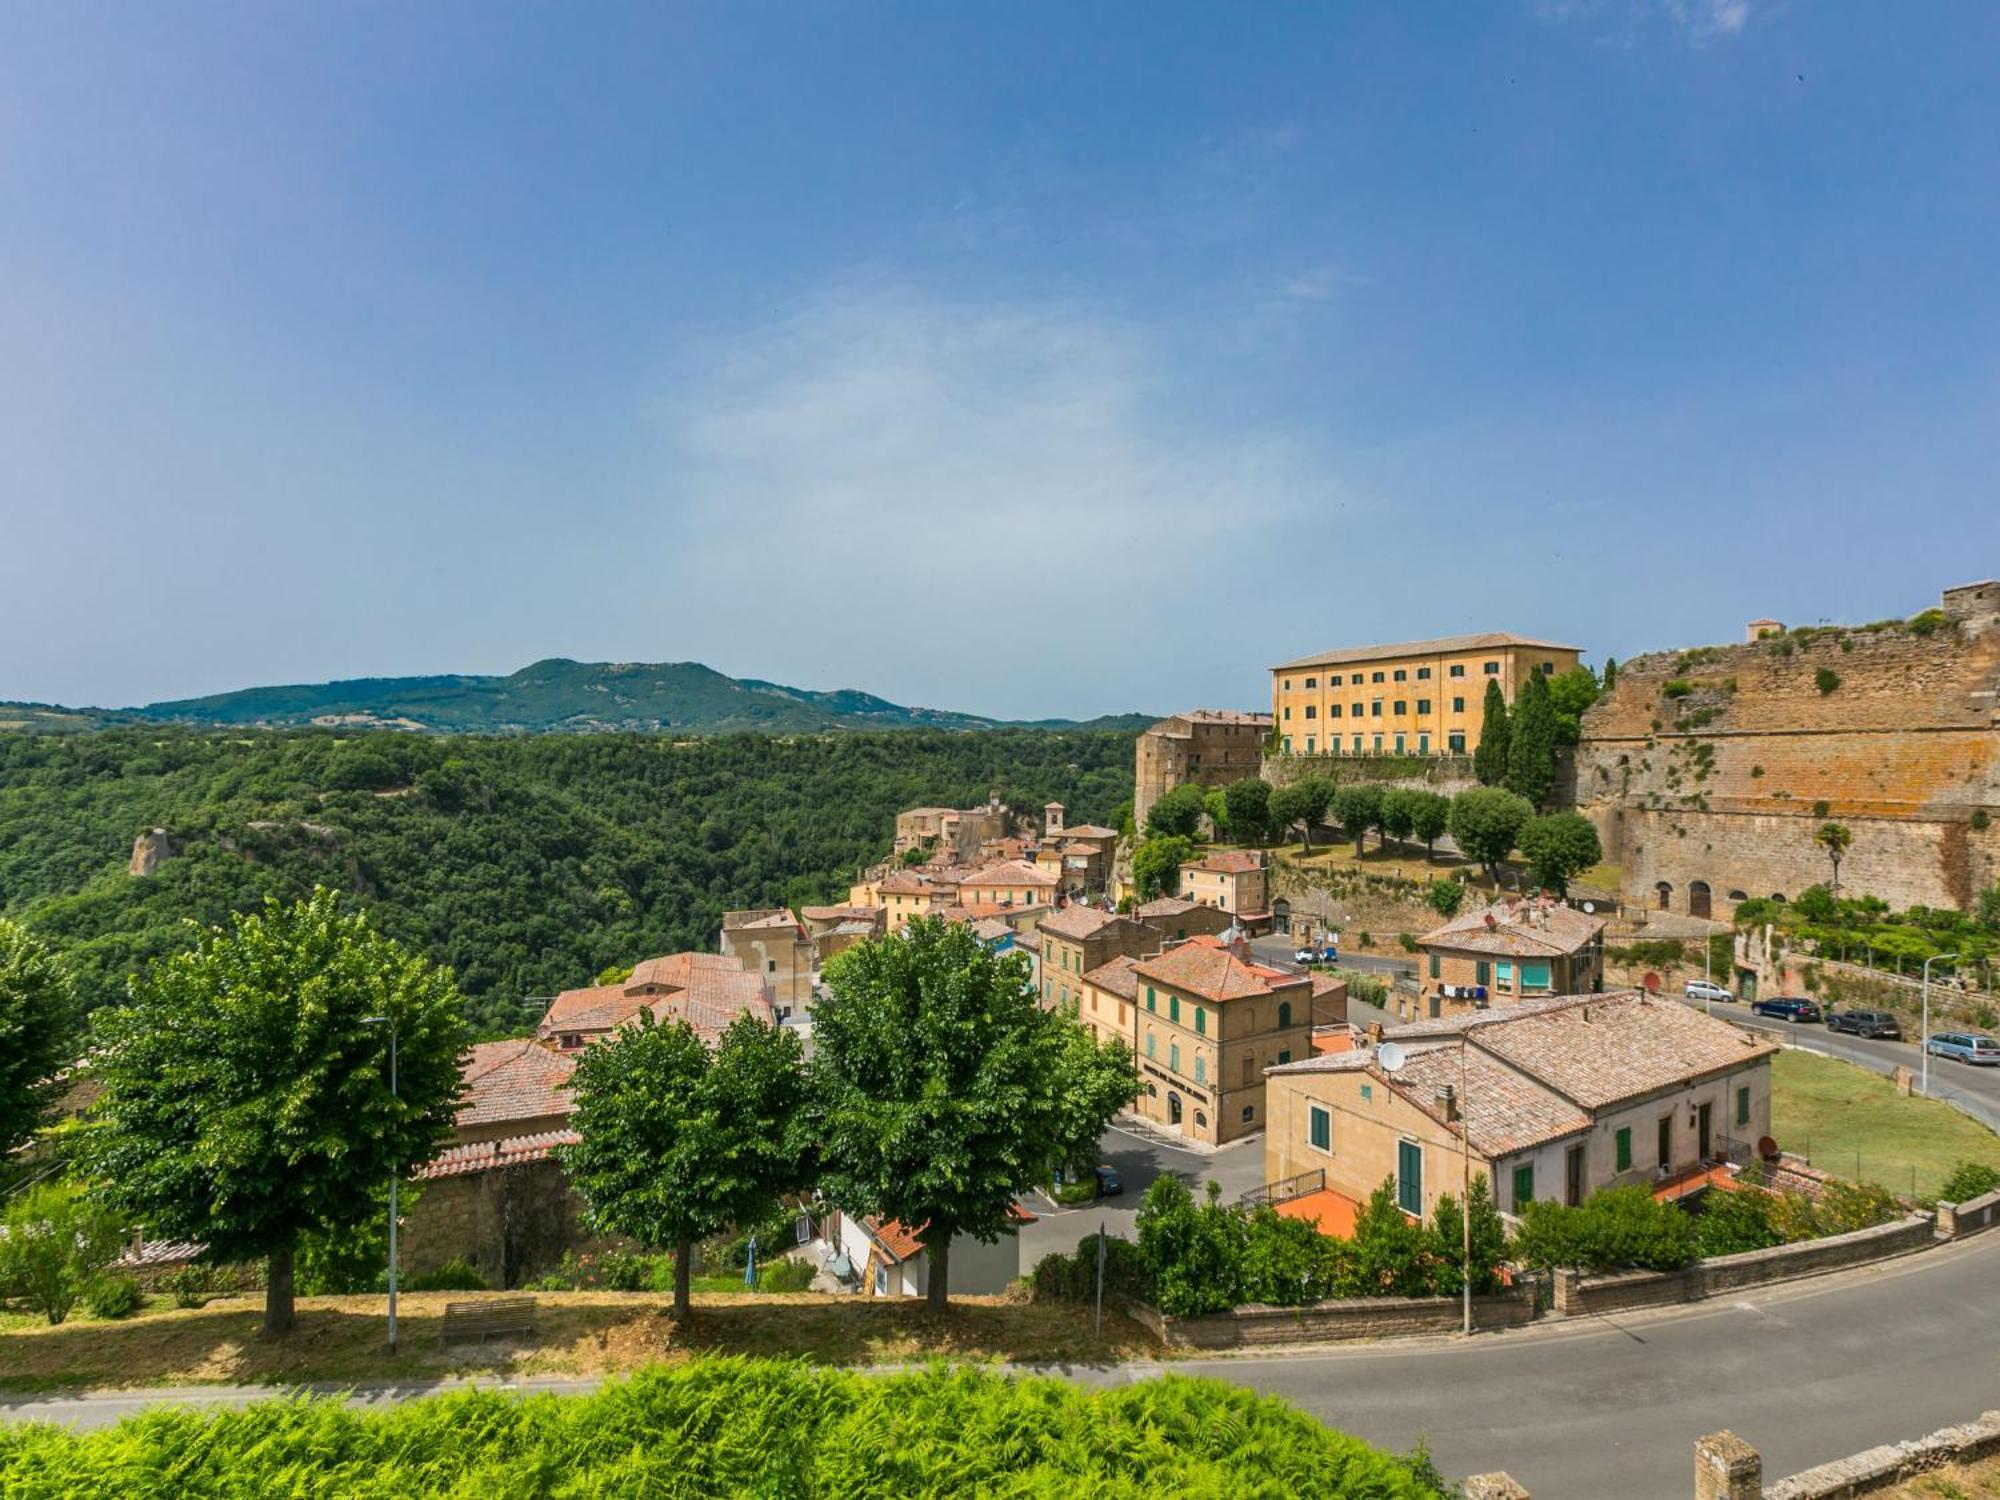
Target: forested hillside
527,864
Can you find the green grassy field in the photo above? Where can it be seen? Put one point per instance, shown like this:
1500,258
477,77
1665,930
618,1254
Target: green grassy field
1851,1122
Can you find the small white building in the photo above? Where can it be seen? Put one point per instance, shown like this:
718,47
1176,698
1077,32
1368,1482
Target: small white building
883,1258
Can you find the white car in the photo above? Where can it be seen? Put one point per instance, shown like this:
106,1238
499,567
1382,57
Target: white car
1707,989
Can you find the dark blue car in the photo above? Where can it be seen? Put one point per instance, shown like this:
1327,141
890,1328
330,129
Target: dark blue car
1786,1008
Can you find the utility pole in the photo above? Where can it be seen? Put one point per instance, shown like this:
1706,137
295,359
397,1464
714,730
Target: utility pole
1925,1044
395,1177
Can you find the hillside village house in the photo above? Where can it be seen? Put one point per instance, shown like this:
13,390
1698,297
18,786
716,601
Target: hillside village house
1414,698
1558,1098
1208,1022
1015,883
949,832
1237,881
773,943
1502,954
1080,938
885,1258
834,929
1109,1001
1178,919
707,990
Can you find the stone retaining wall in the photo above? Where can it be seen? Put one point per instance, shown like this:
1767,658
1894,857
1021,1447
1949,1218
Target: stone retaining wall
1256,1326
1892,1463
1622,1291
1975,1215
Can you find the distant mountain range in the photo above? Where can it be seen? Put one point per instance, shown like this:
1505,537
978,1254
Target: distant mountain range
554,696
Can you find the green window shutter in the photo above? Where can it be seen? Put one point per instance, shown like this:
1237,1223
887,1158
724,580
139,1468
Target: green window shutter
1436,965
1149,997
1173,1057
1410,1177
1200,1021
1524,1185
1319,1128
1534,976
1284,1057
1625,1149
1482,972
1173,1007
1743,1106
1150,1039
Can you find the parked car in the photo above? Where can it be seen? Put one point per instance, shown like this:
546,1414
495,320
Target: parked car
1876,1023
1707,989
1966,1047
1786,1008
1108,1185
1326,955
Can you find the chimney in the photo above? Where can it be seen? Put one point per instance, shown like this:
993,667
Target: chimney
1374,1033
1447,1098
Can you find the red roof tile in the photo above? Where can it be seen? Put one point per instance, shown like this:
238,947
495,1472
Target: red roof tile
513,1080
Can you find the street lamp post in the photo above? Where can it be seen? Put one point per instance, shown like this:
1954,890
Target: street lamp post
394,1178
1926,1043
1465,1184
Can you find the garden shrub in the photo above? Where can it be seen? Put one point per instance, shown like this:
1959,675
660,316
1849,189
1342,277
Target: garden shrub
731,1427
114,1297
452,1276
53,1243
1288,1262
190,1286
1614,1229
1969,1180
1073,1277
789,1274
1730,1222
1195,1252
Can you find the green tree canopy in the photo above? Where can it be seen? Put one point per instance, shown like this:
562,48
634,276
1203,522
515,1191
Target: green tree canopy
1570,694
1156,866
941,1090
1301,805
677,1142
1558,848
1399,815
53,1242
1177,814
37,1031
1359,808
246,1096
1446,897
1610,673
1485,821
1531,742
1249,808
1430,816
1834,838
1489,756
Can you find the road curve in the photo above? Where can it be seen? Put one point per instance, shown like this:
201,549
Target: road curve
1590,1407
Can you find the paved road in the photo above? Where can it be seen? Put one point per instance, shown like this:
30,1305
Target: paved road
1589,1408
1976,1090
1140,1154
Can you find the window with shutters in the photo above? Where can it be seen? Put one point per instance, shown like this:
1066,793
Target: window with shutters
1319,1128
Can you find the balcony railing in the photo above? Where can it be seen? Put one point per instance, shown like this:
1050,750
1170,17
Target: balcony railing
1286,1189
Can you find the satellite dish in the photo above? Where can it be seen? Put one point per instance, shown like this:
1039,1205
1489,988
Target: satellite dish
1389,1057
1590,908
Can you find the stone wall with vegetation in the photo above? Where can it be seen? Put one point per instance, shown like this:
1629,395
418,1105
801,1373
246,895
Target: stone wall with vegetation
512,1224
1254,1326
1717,764
1576,1293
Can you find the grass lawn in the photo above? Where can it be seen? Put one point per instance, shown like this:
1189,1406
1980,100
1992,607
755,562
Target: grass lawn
576,1333
1831,1112
1979,1481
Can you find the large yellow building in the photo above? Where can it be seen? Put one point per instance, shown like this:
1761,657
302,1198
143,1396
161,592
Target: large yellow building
1416,698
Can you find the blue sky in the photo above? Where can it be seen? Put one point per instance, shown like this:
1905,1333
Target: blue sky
1027,359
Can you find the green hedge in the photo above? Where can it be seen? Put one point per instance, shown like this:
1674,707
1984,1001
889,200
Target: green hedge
728,1428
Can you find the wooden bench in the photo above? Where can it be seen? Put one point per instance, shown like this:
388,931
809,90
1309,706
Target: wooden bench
493,1315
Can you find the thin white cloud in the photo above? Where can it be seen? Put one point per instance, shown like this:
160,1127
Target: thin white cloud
941,494
1698,20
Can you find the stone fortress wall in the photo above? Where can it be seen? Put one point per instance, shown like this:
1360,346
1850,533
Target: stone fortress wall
1708,771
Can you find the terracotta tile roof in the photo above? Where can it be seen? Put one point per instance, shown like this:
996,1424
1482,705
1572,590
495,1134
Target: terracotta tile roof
904,883
1116,977
1078,922
759,920
991,929
585,1009
674,968
1166,906
1094,831
978,911
1228,862
840,913
1527,929
1011,873
713,1002
513,1080
1504,1111
1202,966
1214,716
1603,1048
1444,645
488,1156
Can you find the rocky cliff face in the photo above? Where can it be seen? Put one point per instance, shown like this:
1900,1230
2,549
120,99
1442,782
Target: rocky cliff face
150,850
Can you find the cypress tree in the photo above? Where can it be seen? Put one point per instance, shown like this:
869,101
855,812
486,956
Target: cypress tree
1489,757
1610,673
1531,743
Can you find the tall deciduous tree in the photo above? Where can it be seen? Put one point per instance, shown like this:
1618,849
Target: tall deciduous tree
246,1097
1489,756
1559,848
1430,816
1399,816
677,1143
1531,742
37,1037
1156,866
1486,821
1177,814
1248,803
53,1243
1359,809
941,1090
